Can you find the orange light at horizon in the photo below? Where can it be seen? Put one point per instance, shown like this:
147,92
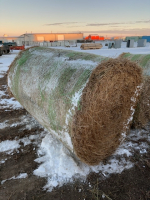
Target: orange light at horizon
5,35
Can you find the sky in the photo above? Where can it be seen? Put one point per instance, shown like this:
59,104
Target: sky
103,17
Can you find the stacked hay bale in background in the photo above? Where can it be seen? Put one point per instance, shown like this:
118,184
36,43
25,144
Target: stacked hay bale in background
86,105
91,46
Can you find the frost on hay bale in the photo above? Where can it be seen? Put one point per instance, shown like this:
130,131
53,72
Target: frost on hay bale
86,107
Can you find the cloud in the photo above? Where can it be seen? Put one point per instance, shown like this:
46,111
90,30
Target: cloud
74,26
103,24
128,31
115,24
143,21
119,26
118,30
118,23
62,23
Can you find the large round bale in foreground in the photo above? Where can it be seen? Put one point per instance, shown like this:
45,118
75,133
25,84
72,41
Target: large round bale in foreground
86,105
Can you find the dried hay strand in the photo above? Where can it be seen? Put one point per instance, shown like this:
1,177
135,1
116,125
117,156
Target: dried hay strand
107,105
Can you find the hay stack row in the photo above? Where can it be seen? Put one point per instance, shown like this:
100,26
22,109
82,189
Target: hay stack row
87,101
91,46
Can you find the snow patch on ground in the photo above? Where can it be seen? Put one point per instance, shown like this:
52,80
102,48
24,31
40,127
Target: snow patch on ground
2,93
3,125
6,60
20,176
9,146
59,167
10,103
3,161
5,103
26,120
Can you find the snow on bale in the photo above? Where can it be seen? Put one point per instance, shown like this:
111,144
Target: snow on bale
85,100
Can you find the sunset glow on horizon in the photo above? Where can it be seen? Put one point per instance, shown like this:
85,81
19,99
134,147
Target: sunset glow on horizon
106,18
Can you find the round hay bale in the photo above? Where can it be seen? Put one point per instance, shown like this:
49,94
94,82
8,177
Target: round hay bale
87,106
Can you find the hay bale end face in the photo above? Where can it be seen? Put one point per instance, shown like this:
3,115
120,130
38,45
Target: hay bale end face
106,109
87,107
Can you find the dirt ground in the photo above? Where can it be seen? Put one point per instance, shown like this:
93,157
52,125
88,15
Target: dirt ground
131,184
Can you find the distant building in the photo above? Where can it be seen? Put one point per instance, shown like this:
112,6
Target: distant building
141,43
135,38
51,37
147,38
29,38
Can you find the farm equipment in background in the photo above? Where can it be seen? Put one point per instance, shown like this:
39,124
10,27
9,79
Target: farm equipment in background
14,46
1,51
17,47
4,49
8,43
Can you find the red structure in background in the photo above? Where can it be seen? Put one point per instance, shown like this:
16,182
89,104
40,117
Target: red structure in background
94,37
17,47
